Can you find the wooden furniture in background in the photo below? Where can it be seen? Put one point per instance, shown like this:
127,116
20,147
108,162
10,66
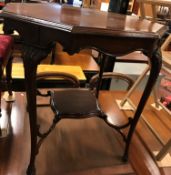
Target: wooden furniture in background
134,58
166,68
84,59
166,54
158,11
18,70
18,75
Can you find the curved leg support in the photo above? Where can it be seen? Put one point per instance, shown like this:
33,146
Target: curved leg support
44,135
156,63
31,58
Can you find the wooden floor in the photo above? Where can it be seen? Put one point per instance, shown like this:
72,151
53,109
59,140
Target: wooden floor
82,147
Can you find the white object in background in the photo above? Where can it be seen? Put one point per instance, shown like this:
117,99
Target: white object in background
77,3
104,6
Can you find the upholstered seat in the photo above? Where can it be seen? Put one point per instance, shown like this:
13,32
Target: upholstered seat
6,44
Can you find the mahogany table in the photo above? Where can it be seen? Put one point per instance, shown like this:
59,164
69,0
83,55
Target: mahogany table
40,25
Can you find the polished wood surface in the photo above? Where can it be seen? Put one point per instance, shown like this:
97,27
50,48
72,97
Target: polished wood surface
58,18
15,150
76,29
80,22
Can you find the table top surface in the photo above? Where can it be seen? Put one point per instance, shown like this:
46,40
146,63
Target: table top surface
82,20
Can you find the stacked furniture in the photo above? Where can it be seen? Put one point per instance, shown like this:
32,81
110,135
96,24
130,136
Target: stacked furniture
160,12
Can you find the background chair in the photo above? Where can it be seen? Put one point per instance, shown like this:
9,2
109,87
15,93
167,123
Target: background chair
6,48
164,100
160,12
166,72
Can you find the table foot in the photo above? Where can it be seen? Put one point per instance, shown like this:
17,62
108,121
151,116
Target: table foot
31,170
9,98
125,158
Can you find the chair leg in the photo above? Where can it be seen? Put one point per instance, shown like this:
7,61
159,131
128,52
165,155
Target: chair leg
0,114
1,74
8,76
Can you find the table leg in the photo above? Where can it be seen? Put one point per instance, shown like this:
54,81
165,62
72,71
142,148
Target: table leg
31,58
156,63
